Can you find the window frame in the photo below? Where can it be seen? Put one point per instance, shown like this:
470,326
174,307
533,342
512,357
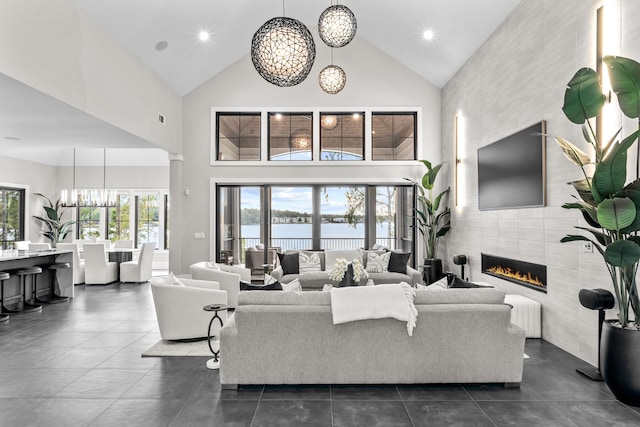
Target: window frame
415,133
218,152
363,122
22,223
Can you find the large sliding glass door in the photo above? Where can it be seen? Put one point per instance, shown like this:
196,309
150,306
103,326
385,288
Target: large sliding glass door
277,218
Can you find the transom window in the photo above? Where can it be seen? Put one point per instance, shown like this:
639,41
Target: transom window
393,136
290,136
342,136
238,136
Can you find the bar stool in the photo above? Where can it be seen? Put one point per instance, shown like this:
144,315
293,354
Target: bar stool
54,298
22,274
3,311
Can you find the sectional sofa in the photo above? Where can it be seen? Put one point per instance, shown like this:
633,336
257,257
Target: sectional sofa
461,336
317,280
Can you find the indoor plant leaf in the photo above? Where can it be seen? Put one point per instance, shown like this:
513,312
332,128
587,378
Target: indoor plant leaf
611,173
625,80
584,191
616,213
583,98
579,238
622,253
573,153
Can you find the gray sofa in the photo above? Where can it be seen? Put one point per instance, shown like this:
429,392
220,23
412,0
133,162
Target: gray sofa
461,336
316,281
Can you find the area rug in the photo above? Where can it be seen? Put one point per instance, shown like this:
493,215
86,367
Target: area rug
173,348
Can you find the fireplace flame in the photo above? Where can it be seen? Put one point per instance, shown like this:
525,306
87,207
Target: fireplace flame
508,272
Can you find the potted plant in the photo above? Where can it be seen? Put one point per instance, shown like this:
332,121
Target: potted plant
433,220
56,229
611,208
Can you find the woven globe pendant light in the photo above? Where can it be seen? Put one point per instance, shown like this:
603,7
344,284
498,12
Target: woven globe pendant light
283,51
332,79
337,25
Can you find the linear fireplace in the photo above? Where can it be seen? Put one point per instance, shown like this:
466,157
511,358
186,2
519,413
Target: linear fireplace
523,273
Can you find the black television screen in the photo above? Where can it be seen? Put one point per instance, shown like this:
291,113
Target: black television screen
511,172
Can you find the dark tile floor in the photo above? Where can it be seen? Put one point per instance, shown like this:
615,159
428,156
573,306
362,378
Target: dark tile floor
79,364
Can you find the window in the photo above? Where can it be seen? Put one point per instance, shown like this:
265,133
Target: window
88,224
290,136
147,219
393,136
342,136
11,216
118,224
314,217
238,136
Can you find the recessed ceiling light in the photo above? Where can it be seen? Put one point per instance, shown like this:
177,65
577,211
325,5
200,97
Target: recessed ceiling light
428,35
278,116
203,36
162,45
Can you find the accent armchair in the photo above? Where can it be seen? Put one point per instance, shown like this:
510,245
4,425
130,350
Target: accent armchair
179,307
228,277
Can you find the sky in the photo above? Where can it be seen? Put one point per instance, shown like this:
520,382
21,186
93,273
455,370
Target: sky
297,199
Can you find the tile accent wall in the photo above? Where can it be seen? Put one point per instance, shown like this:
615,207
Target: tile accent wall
516,79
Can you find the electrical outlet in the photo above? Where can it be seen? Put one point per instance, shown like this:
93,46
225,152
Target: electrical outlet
587,247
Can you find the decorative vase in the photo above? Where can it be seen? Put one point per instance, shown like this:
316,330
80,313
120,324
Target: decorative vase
432,270
620,367
347,280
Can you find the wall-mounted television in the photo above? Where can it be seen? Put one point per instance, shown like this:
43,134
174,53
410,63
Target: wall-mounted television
511,171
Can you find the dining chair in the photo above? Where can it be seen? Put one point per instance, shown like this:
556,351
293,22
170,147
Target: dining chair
39,246
97,270
78,264
22,245
122,244
139,271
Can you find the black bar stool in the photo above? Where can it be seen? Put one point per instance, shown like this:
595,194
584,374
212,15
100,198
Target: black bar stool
23,273
55,297
3,311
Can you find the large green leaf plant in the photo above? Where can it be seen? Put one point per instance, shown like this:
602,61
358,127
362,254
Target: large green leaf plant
433,218
55,228
609,204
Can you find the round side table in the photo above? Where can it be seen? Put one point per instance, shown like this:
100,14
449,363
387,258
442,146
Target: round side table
216,308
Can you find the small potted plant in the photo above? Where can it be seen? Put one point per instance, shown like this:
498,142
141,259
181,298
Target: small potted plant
433,221
56,229
611,208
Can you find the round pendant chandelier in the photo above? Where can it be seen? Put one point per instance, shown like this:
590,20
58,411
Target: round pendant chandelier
329,121
283,51
300,139
332,79
337,25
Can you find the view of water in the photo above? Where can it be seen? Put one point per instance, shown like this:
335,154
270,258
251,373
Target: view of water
329,230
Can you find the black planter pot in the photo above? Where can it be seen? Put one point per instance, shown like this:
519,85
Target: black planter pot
347,280
620,367
432,270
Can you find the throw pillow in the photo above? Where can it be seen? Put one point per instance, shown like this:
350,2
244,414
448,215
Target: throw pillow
377,263
212,265
327,288
292,286
289,263
439,284
459,283
398,262
171,279
309,263
246,286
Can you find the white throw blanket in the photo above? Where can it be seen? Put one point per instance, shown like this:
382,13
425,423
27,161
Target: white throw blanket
374,302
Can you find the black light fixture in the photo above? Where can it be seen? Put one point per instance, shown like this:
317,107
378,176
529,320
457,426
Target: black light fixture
283,51
329,121
332,79
337,25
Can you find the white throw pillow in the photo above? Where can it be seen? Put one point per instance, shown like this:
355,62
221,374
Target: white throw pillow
171,279
212,265
309,263
378,263
292,286
440,284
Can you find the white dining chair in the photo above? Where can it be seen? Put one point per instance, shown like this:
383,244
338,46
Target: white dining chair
22,245
39,246
139,271
122,244
78,264
97,270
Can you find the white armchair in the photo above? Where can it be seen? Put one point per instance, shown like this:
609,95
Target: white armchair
97,271
78,264
39,246
139,271
229,280
179,309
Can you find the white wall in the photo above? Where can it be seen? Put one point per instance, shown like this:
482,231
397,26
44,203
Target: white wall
373,79
515,79
53,47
